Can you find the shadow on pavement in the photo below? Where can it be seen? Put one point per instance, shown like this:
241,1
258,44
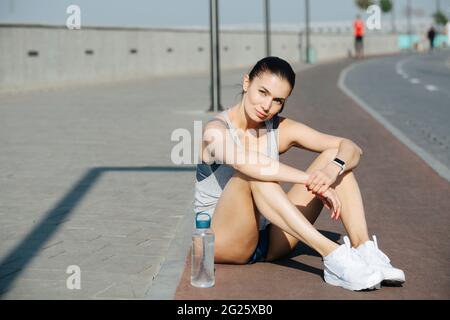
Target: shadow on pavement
23,253
303,249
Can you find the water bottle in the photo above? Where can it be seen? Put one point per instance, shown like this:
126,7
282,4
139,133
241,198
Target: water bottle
202,267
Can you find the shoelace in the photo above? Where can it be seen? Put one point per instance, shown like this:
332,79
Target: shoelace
380,253
377,253
352,253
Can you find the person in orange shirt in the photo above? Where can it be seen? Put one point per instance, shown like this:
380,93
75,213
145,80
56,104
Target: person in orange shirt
358,31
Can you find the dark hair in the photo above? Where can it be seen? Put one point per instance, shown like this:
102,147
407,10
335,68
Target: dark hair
276,66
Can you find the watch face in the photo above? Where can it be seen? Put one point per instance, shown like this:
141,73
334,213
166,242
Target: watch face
339,161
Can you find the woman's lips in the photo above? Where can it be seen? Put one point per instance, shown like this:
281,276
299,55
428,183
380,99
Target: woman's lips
260,115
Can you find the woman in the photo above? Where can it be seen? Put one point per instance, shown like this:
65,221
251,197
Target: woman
252,217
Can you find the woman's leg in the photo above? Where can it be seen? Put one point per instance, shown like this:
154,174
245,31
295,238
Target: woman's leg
235,223
274,204
235,219
352,211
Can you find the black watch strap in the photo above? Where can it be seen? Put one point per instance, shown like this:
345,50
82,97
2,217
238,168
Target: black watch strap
342,163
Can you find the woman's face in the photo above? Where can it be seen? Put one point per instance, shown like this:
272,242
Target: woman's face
264,96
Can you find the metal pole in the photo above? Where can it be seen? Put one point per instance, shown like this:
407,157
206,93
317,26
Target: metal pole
394,28
267,25
215,66
308,60
408,21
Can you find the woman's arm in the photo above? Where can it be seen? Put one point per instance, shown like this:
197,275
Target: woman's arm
302,136
219,147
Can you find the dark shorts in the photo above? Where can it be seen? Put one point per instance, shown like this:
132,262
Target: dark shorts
260,253
359,42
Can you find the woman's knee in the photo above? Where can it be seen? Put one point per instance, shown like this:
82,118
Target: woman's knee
326,157
241,178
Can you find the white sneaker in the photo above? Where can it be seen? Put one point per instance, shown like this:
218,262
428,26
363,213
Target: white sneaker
344,267
379,261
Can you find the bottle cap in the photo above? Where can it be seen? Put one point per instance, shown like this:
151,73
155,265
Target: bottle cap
202,220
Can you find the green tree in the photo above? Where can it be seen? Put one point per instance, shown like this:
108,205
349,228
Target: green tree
363,4
385,5
440,18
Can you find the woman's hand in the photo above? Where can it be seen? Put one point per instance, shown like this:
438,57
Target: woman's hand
331,200
319,181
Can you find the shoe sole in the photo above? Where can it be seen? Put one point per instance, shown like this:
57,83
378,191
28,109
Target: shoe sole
375,287
392,282
371,285
393,278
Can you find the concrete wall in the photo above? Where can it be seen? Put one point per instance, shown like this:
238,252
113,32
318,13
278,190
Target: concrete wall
332,46
40,56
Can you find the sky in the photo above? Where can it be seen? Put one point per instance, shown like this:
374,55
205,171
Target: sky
185,13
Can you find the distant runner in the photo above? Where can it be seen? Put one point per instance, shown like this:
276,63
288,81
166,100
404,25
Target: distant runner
358,31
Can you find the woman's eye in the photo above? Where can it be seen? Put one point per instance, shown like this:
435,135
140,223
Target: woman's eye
263,92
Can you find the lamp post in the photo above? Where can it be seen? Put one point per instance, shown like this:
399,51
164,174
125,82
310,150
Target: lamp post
408,17
308,58
394,28
267,25
215,66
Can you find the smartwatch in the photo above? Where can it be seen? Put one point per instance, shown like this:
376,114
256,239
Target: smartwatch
341,164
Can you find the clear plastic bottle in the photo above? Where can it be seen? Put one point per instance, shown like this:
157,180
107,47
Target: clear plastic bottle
202,263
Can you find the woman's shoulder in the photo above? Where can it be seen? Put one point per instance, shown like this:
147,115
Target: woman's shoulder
280,122
215,125
217,121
